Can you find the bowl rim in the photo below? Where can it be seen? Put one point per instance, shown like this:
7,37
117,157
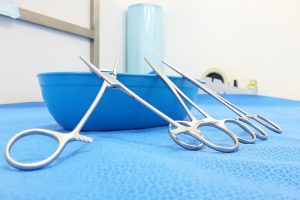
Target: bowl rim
92,73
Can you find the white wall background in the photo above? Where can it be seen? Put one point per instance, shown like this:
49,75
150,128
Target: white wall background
247,39
26,49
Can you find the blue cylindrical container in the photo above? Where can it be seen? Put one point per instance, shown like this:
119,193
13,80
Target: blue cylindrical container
144,37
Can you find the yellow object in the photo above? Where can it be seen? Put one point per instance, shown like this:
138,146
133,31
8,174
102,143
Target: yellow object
252,84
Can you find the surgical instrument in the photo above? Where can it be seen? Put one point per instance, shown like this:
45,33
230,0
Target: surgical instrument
242,115
61,138
207,118
185,127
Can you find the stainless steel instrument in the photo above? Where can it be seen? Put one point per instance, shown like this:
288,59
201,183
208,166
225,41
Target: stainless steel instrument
61,138
207,120
243,116
176,127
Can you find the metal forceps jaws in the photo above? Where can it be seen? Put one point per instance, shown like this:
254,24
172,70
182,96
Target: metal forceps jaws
206,121
243,116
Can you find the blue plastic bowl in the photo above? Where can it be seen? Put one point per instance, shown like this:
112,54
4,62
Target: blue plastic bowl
68,95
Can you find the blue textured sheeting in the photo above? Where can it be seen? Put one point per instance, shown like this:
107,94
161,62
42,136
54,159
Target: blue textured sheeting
147,164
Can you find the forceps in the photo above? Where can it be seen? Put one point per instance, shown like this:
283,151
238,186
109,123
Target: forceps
207,118
61,138
176,126
242,115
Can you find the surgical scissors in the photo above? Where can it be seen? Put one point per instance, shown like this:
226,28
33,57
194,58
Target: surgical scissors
61,138
207,118
242,115
176,127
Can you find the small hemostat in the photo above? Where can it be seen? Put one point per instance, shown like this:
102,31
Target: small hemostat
243,116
